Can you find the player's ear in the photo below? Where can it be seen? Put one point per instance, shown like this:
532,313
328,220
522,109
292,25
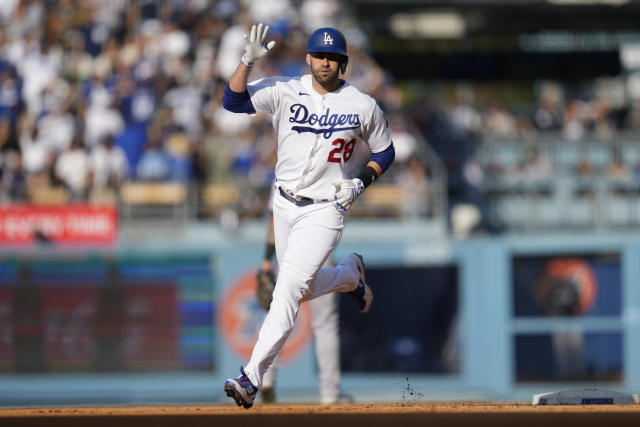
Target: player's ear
308,58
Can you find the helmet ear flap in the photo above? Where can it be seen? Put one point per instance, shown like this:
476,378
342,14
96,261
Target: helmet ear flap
343,65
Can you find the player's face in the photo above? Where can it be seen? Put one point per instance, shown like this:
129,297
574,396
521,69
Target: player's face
324,67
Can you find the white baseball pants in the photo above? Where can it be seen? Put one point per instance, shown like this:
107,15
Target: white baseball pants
305,237
326,333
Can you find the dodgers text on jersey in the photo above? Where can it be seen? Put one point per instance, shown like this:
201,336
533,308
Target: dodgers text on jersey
300,115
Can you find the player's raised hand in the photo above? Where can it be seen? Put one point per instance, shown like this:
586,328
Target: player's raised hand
255,46
347,191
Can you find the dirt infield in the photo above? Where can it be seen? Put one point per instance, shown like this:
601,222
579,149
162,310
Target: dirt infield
370,415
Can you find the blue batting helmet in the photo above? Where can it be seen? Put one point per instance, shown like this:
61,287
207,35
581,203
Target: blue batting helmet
329,40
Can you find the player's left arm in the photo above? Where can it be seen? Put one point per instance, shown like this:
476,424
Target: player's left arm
378,136
348,190
378,163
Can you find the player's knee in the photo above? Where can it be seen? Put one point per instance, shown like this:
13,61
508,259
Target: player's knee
287,295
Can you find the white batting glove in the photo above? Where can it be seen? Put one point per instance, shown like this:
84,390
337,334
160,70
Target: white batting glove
254,45
347,191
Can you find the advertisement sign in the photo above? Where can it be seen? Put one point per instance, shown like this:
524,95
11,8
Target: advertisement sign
68,223
146,314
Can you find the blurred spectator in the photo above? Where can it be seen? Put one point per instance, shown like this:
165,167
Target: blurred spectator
232,46
633,120
72,169
537,167
185,102
35,150
228,123
278,13
174,45
404,141
315,14
14,179
534,168
413,184
58,129
585,168
109,164
636,171
464,218
12,176
465,118
548,115
499,123
363,72
136,104
218,152
154,164
10,101
179,156
8,141
77,63
243,154
525,130
618,170
38,65
101,116
575,120
6,9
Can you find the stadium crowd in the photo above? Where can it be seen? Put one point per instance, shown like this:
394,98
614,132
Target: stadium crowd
97,93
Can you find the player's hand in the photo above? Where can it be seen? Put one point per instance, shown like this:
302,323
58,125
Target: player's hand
255,46
347,191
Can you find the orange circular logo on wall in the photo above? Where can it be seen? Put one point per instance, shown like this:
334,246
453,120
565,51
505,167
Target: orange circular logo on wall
240,318
567,286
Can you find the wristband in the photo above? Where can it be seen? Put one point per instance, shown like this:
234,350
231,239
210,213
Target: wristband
367,176
245,62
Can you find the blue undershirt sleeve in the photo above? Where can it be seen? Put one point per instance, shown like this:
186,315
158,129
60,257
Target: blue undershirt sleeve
384,158
237,102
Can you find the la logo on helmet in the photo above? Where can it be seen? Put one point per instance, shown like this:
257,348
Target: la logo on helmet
327,39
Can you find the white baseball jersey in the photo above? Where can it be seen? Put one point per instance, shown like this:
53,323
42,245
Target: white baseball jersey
317,134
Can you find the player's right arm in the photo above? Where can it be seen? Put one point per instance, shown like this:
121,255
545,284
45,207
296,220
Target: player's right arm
238,80
236,97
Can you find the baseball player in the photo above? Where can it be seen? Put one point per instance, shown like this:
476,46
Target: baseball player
318,119
325,324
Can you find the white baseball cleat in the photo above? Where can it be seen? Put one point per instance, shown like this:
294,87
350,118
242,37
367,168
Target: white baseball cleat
362,294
